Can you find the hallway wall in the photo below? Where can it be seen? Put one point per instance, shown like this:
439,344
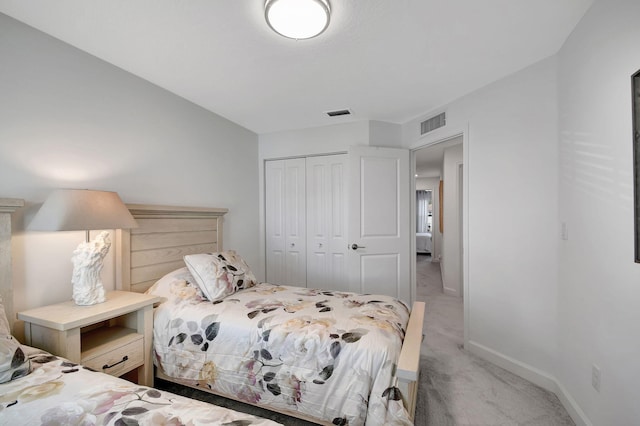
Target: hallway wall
451,260
599,291
511,164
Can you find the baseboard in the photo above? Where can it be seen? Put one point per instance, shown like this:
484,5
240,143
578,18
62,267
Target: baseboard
572,407
450,292
535,376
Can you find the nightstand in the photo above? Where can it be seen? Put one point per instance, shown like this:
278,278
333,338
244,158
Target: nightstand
113,337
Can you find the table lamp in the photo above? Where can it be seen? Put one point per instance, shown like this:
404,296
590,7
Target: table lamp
85,210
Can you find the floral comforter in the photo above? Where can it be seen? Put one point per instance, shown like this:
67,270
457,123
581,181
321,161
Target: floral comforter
58,392
330,355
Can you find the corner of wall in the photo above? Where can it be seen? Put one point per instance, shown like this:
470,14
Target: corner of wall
535,376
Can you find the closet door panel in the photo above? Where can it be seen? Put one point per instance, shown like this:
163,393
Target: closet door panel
338,275
295,222
285,222
339,236
276,271
306,221
317,238
326,222
275,221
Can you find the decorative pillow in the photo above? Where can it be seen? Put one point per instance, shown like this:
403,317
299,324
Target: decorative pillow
220,274
13,361
162,287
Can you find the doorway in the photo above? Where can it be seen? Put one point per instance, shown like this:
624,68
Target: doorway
441,164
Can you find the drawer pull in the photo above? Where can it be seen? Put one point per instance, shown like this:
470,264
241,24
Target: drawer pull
124,358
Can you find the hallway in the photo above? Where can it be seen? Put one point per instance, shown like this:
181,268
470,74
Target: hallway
457,387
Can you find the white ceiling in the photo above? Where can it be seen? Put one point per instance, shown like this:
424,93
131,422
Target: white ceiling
389,60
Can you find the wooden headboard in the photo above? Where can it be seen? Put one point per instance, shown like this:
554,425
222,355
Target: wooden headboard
164,235
7,206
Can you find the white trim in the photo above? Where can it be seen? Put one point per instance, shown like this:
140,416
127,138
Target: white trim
572,407
465,233
535,376
412,224
516,367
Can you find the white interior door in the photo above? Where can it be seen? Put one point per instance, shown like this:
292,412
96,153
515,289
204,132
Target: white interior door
379,221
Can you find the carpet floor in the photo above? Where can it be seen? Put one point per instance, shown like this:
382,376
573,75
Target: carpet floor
456,387
459,388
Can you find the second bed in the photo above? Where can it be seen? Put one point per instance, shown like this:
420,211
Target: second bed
327,356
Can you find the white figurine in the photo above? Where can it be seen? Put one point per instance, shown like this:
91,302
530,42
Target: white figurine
87,265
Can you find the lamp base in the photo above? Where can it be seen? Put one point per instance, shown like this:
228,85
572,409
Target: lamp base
87,264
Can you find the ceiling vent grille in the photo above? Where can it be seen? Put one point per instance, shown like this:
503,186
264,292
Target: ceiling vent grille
338,112
433,123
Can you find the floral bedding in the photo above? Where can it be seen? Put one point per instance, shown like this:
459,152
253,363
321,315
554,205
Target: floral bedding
58,392
326,354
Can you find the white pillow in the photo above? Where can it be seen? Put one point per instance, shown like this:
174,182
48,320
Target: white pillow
162,287
220,274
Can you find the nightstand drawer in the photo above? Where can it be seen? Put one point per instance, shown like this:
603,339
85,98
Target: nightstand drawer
119,360
120,349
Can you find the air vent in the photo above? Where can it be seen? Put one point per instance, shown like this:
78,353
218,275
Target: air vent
338,112
433,123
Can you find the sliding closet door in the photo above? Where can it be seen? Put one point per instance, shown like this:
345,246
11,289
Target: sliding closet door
327,222
285,222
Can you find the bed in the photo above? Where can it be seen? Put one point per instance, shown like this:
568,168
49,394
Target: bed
37,388
59,392
423,242
317,375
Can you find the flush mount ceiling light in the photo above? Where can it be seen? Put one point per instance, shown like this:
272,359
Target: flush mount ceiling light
297,19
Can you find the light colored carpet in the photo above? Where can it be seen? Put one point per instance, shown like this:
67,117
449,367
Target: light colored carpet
456,387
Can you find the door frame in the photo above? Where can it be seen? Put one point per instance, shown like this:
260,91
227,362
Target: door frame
436,137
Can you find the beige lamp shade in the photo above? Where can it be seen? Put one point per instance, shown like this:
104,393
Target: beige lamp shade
82,210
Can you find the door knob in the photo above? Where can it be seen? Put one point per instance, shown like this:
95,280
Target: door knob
354,246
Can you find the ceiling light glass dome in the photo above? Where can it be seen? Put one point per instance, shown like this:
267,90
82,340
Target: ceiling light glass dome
297,19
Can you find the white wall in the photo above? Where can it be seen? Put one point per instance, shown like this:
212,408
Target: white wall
428,184
551,144
313,141
451,261
599,294
70,120
385,134
511,165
